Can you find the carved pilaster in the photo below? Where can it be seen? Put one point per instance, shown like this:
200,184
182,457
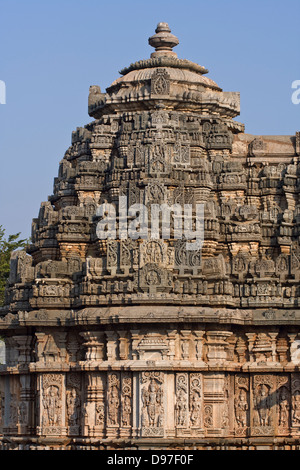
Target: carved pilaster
111,345
11,351
94,345
185,344
171,336
40,345
135,338
199,339
94,408
251,339
214,401
24,348
26,405
123,345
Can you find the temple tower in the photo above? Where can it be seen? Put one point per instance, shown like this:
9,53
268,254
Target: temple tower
137,339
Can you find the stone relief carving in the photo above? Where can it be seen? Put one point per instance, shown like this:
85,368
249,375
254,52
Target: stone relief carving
196,404
152,397
182,401
113,400
241,404
52,404
160,84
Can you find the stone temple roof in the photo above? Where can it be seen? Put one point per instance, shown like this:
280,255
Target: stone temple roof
179,85
164,41
179,70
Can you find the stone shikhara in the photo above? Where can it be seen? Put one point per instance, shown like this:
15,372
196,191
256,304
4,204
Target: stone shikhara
142,341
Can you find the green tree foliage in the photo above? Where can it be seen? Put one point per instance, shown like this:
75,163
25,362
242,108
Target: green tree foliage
7,246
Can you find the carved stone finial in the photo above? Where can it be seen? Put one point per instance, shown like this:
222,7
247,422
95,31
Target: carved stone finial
163,41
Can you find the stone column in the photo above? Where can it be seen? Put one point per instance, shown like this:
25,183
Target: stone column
94,406
24,348
215,401
26,406
11,351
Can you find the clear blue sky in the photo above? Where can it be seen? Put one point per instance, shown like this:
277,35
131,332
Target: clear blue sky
52,51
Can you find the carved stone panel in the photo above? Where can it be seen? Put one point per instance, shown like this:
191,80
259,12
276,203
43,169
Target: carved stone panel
73,403
160,83
126,405
152,404
113,404
284,408
199,415
241,405
182,420
263,399
52,408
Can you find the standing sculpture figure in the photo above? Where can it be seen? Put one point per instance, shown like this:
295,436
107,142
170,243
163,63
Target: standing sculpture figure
241,408
52,405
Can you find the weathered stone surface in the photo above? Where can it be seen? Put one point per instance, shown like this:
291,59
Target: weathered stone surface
144,342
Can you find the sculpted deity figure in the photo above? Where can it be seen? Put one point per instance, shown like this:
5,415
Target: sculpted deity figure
73,406
126,411
113,406
152,399
262,402
153,253
181,408
284,408
195,409
52,405
241,408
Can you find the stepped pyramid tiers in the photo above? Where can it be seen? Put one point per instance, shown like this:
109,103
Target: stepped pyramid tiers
140,342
